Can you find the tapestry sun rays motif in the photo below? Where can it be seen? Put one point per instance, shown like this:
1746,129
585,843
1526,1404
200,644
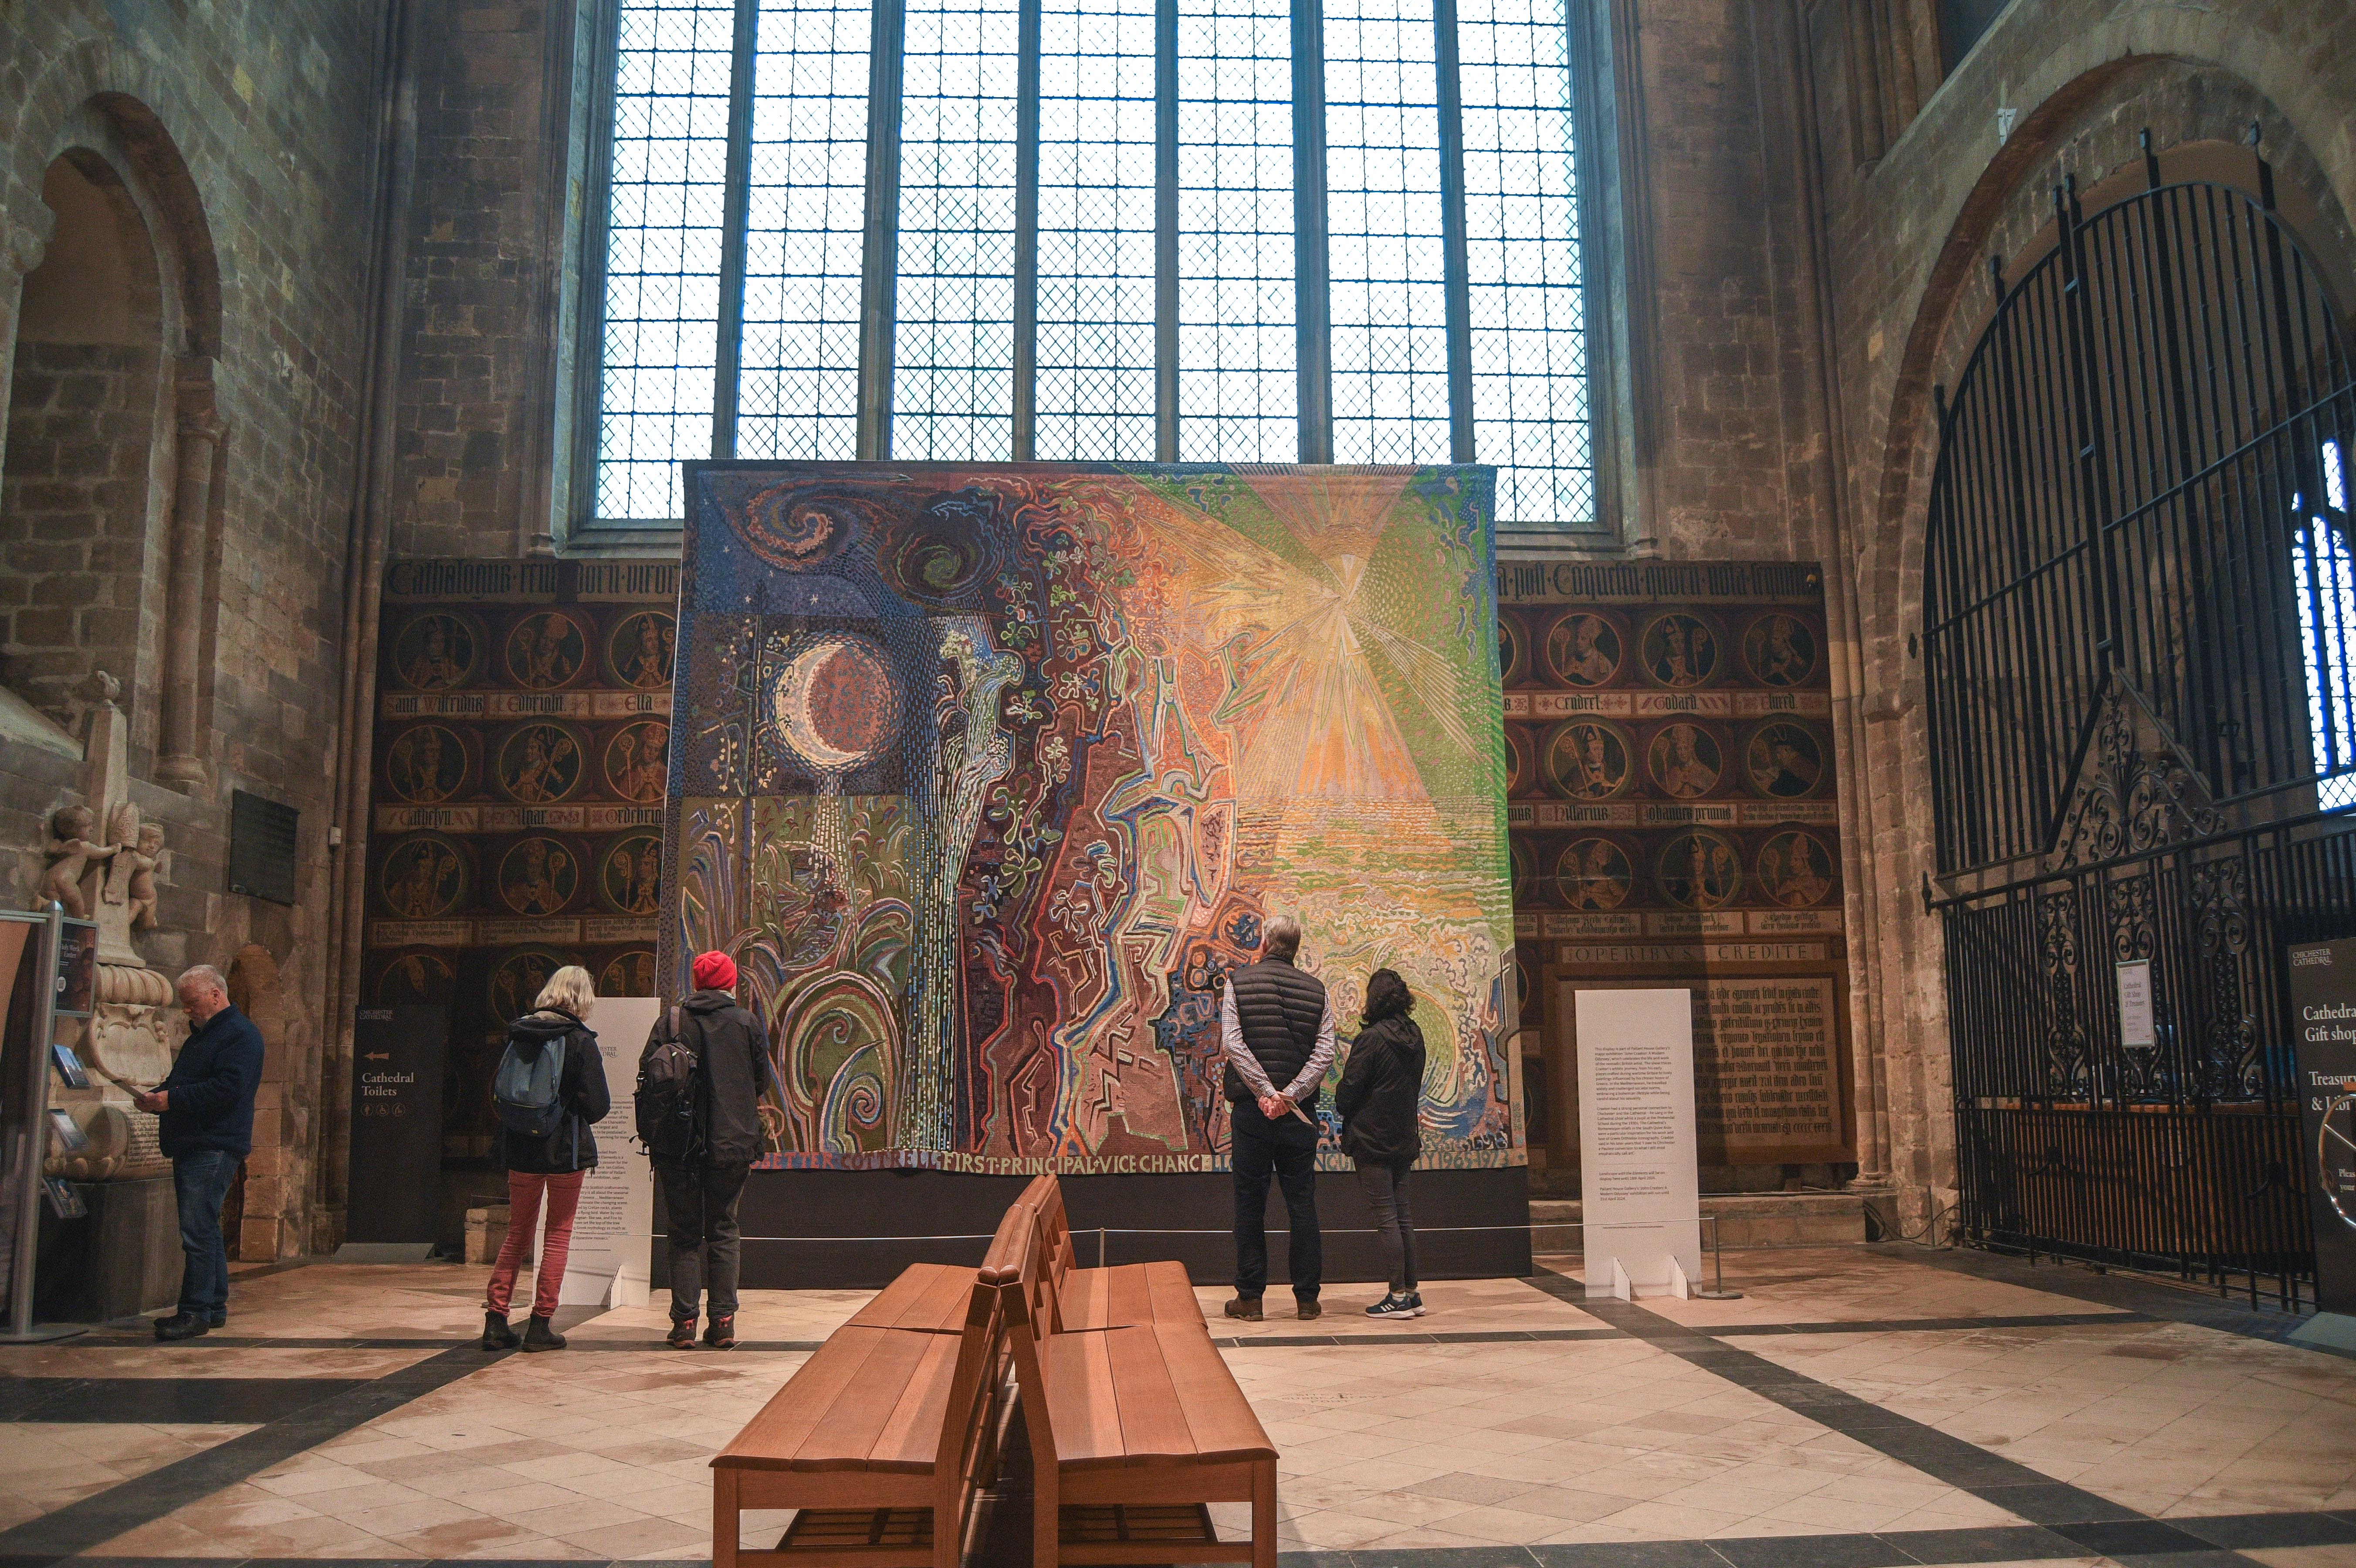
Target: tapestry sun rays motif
987,775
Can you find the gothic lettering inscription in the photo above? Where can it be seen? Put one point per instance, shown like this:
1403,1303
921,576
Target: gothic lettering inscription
1766,1065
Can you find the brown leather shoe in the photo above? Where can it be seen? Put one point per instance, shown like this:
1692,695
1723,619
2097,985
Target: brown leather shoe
1306,1309
1246,1307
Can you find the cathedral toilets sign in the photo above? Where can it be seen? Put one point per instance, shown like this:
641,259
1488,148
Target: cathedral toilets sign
2323,994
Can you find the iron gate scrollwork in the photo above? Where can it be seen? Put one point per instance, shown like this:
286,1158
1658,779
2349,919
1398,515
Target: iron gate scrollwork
2140,651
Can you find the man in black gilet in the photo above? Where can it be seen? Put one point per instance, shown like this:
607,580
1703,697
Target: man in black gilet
1278,1030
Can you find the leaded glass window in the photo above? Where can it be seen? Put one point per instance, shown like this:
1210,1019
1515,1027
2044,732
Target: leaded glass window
1383,213
807,187
2323,575
1095,382
1238,398
1352,227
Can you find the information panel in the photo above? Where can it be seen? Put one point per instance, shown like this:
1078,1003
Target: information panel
611,1231
397,1056
2323,997
1641,1207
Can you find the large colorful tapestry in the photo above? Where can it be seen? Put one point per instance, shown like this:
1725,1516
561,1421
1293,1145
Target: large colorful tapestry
989,774
522,742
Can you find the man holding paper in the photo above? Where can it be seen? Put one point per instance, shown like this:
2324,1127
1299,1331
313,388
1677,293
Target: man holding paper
205,1107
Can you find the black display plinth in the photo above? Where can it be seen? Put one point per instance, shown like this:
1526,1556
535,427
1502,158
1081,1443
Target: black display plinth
818,1211
121,1258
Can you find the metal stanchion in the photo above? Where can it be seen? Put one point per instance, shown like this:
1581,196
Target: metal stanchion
1717,1256
30,1140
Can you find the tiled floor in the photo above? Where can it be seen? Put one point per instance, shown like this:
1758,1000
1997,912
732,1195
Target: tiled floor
1570,1433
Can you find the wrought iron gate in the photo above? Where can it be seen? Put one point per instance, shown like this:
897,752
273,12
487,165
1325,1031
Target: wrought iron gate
2139,653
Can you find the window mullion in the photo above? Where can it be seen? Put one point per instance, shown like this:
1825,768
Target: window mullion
734,202
1313,304
1455,258
1026,234
880,264
1166,231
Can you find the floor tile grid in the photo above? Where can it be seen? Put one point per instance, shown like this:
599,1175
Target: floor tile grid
103,1515
2173,1419
2077,1514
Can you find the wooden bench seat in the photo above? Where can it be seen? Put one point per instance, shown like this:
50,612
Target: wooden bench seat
927,1298
1147,1395
1134,1429
1127,1295
869,1399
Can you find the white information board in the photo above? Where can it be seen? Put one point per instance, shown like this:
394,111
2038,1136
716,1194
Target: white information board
2139,1024
608,1265
1641,1197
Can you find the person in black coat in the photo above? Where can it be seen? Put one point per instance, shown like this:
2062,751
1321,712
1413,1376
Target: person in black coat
551,1167
204,1111
1381,1100
699,1198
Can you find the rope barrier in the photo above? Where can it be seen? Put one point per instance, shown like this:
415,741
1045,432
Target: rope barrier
1132,1231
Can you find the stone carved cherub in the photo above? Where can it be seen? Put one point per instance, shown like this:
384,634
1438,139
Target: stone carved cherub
131,880
71,852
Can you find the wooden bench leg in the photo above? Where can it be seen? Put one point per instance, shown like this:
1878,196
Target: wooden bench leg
1263,1517
724,1525
1047,1516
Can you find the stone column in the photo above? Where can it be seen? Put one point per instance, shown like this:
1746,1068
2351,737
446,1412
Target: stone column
182,765
21,248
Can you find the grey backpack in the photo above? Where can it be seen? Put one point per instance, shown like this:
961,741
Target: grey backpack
528,1091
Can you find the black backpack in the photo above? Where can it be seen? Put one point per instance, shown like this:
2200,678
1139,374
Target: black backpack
670,1091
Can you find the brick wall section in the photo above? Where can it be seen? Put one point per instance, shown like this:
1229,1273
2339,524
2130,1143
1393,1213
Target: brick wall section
475,338
270,106
73,517
1705,140
1909,237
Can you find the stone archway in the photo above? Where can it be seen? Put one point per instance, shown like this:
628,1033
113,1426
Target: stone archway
83,407
107,532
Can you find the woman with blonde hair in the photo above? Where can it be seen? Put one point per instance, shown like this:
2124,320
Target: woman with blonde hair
550,1089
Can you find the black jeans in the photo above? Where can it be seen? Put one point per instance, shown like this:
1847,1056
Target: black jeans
1384,1185
200,1183
1288,1151
700,1208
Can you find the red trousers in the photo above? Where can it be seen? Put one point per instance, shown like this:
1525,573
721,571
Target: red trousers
523,1214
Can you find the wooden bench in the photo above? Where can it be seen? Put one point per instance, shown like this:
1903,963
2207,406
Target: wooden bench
886,1435
883,1440
1134,1426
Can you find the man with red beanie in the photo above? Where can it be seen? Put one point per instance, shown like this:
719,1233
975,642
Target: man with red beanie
700,1197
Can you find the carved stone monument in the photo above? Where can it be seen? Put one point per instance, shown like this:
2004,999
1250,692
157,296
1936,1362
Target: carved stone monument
109,877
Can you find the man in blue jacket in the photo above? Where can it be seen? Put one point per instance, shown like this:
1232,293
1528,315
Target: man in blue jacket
204,1105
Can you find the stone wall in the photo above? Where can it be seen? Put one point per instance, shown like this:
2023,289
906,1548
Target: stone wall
247,131
73,517
486,254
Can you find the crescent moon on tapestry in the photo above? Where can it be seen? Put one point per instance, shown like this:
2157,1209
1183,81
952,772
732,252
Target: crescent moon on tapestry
835,704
